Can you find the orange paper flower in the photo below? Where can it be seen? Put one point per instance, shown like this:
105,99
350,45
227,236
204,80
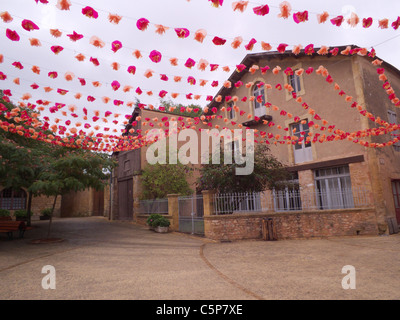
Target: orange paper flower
6,17
114,18
285,8
200,35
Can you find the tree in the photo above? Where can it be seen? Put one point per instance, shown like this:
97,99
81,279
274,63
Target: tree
268,173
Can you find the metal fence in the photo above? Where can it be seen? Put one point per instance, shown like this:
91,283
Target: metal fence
191,214
153,206
290,200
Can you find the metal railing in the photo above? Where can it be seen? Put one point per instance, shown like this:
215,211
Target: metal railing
153,206
290,200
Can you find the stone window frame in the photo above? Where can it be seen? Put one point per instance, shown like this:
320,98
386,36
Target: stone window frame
230,104
302,91
250,94
12,205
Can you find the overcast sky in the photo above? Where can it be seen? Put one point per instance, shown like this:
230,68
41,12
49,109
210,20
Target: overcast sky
193,15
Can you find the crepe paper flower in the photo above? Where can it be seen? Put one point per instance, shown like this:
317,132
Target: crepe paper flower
264,69
164,77
191,80
29,25
182,32
160,29
300,16
62,91
16,81
251,44
105,99
127,88
190,63
155,56
261,10
95,61
115,85
35,42
309,49
12,35
118,102
213,66
285,9
296,49
116,45
148,73
288,71
353,20
82,81
227,84
253,69
334,51
216,3
372,53
249,84
200,35
115,66
202,64
137,54
6,17
323,50
63,4
202,82
90,12
80,57
34,86
131,69
56,49
383,24
177,78
162,93
276,70
53,74
97,42
69,76
142,24
36,69
114,18
18,65
282,47
173,61
214,83
55,33
149,93
322,17
346,51
138,91
337,21
265,46
218,41
239,5
240,67
90,98
396,24
367,22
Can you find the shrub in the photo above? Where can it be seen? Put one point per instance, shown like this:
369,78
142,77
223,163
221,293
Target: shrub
21,213
46,212
157,220
4,213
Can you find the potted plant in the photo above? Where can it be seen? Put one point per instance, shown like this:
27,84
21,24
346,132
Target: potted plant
162,224
45,214
151,220
5,215
21,215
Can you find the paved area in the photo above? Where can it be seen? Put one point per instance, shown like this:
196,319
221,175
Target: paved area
99,259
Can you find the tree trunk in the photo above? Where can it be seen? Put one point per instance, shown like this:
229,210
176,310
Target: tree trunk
51,216
28,221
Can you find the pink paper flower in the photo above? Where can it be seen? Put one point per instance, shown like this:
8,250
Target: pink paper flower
56,49
90,12
337,21
75,36
115,85
250,45
12,35
182,32
217,3
261,10
142,24
28,25
190,63
132,69
218,41
282,47
191,80
116,45
155,56
300,16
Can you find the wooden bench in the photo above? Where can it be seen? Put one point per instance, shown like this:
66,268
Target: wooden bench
10,226
7,218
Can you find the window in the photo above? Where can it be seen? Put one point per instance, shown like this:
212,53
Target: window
288,196
333,186
392,118
230,111
259,101
294,81
12,199
302,148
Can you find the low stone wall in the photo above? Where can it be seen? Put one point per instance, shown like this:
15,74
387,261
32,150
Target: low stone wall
293,225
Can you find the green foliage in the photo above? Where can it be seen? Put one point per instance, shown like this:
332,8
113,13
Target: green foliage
197,111
159,180
46,212
22,213
267,173
4,213
157,220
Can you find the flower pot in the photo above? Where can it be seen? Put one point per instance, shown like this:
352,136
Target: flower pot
161,229
44,217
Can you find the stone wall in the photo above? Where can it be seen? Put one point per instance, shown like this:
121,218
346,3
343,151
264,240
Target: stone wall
293,225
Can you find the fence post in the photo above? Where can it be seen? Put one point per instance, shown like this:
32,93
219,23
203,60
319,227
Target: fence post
208,202
173,210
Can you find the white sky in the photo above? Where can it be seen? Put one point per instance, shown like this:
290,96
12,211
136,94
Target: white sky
193,15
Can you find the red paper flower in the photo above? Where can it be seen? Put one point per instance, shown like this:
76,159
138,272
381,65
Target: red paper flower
240,67
309,50
213,66
250,45
116,45
138,91
337,21
28,25
82,81
214,83
190,63
282,47
56,49
53,74
300,16
132,69
191,80
218,41
142,24
217,3
18,65
155,56
182,32
90,12
95,61
261,10
162,93
115,85
164,77
12,35
75,36
334,51
367,22
396,24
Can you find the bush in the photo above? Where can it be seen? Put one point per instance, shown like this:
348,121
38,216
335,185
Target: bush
46,212
22,213
4,213
157,220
